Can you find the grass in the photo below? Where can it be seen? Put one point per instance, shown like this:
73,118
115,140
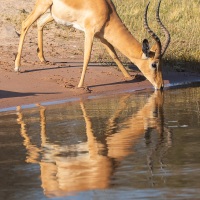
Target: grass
180,17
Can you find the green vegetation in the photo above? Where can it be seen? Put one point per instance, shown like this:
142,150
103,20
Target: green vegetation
180,17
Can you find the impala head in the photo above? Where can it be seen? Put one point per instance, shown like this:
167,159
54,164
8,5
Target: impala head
152,57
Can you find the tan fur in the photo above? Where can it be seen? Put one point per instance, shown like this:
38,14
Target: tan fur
97,19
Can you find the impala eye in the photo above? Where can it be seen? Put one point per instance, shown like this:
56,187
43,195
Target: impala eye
154,65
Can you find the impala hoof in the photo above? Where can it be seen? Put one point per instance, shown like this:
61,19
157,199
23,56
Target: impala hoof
17,69
83,89
128,78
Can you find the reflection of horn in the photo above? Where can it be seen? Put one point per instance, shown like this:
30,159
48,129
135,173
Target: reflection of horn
163,143
161,147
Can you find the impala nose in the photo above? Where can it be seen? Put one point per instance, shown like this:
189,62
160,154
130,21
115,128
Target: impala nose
161,87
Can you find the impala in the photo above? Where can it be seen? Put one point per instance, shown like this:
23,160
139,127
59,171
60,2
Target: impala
99,19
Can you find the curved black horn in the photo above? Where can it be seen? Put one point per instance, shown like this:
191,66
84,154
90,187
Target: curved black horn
164,29
153,35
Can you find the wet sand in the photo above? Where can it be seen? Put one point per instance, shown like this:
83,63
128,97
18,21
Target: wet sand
39,83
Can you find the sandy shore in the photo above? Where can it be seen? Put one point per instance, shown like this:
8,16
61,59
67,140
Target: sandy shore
46,83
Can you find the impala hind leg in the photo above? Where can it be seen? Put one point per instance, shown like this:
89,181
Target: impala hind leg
40,9
42,21
114,56
89,36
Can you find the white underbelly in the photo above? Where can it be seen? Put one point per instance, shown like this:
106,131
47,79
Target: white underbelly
66,23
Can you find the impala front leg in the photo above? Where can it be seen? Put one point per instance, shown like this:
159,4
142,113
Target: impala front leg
25,27
40,8
110,49
89,36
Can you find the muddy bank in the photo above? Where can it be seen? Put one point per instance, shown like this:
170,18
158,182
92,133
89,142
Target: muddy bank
46,83
58,79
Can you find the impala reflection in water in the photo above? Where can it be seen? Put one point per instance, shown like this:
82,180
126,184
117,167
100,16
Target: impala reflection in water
88,152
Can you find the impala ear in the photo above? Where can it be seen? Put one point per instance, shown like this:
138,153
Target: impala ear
145,48
154,48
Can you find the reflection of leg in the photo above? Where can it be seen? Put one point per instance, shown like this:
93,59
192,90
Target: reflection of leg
37,12
114,56
32,150
42,124
50,182
23,125
112,122
92,143
42,21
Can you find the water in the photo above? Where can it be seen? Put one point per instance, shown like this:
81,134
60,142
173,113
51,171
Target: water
131,146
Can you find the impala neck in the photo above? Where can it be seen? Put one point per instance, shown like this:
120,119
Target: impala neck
118,35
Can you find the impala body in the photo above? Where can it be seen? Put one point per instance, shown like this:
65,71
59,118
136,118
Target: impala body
99,19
